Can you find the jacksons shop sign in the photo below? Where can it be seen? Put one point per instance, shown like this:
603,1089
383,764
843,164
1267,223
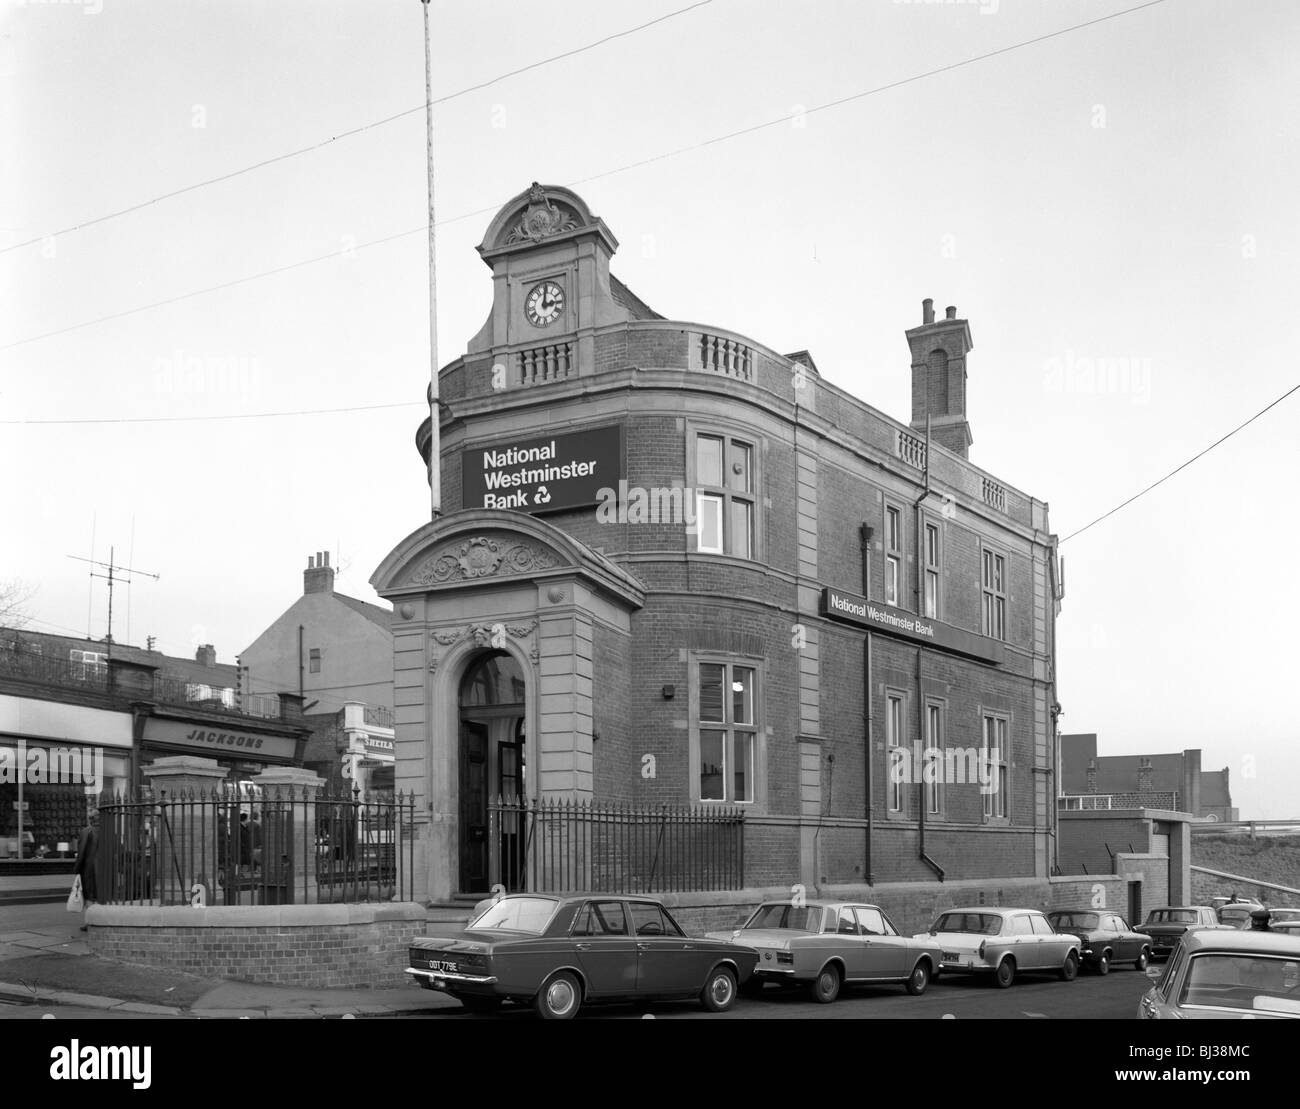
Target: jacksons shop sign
849,608
543,475
219,741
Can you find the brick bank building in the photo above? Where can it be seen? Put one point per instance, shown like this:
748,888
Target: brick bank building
721,584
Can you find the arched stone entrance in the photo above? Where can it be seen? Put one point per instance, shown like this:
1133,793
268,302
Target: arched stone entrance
481,585
492,754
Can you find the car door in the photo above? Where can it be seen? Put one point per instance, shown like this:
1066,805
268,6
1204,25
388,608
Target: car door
605,948
1123,946
1021,942
668,963
884,950
1049,951
848,941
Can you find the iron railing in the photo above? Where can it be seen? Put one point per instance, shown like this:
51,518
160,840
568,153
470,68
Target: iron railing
282,848
24,664
605,847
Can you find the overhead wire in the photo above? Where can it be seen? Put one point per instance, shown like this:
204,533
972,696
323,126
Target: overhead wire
423,228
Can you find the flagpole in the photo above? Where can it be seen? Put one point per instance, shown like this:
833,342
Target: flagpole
435,449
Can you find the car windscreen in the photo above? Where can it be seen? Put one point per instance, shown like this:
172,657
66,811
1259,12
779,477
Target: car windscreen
787,916
982,924
517,914
1172,916
1243,981
1074,920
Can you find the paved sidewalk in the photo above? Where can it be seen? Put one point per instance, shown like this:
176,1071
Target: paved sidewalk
44,957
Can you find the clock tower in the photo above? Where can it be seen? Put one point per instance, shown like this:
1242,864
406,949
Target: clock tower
549,258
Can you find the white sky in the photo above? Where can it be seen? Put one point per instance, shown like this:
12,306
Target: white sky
1123,191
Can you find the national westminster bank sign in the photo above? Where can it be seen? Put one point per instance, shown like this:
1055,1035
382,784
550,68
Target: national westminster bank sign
545,474
849,608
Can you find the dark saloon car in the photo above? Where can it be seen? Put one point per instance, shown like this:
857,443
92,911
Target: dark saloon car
1106,939
558,953
1167,925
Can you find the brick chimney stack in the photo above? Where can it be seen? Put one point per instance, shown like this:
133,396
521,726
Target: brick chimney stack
319,575
939,349
206,654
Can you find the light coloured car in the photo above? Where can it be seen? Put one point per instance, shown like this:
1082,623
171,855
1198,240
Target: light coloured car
824,945
1224,973
1002,943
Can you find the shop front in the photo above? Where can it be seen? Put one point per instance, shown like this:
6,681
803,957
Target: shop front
55,758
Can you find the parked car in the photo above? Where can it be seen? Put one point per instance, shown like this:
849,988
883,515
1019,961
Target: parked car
558,953
1236,914
1002,943
1105,938
1167,925
1217,903
1225,973
824,945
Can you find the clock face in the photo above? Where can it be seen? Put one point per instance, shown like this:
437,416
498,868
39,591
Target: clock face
544,304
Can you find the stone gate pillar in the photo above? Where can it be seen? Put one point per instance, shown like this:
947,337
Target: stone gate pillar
183,839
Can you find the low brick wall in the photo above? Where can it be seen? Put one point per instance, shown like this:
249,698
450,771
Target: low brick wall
911,905
313,946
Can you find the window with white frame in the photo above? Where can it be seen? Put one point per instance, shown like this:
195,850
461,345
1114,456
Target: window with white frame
725,495
995,784
728,731
934,757
87,665
894,747
933,565
995,594
893,554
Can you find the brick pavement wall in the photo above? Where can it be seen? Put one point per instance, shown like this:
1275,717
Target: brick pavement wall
321,955
911,906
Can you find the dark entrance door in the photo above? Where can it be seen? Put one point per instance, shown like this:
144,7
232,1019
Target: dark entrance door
492,749
473,807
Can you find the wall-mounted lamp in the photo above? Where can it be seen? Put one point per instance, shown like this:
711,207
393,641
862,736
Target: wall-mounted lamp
668,692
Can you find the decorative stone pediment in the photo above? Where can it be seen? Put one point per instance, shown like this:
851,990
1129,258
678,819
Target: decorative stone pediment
541,213
541,218
484,556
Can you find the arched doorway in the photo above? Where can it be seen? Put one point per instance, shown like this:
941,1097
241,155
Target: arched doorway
492,743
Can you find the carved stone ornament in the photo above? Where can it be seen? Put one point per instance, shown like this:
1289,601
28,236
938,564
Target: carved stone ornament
482,635
540,219
482,557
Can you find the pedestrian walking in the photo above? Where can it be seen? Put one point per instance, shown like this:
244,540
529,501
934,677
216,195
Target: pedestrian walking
87,855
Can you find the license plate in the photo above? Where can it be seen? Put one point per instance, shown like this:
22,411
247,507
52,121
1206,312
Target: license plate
442,965
950,956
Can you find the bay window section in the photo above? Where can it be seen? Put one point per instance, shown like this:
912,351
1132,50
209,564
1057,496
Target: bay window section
728,732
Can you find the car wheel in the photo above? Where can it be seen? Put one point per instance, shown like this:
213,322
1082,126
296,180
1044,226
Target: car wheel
920,978
1144,957
825,987
480,1004
559,998
1103,963
719,993
1005,974
1070,968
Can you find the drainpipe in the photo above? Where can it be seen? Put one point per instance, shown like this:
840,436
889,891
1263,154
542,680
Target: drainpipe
919,594
300,690
867,751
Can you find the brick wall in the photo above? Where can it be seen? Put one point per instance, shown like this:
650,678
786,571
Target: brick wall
911,906
265,945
